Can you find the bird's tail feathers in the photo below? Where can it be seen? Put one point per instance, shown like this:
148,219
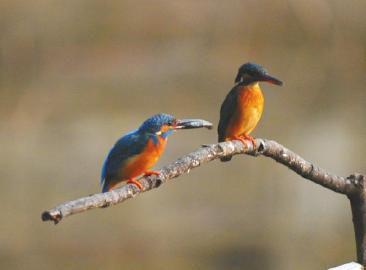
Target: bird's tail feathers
109,184
105,186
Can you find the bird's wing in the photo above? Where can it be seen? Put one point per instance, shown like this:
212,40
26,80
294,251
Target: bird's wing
129,145
227,111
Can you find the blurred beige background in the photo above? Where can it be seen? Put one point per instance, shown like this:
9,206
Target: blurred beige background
75,75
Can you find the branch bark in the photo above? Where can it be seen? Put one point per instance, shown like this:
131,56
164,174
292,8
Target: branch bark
354,186
358,206
205,154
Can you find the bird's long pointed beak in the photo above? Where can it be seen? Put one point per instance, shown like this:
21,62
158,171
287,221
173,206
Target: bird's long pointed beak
192,123
270,79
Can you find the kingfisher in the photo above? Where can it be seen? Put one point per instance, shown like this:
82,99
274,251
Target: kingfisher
137,151
243,106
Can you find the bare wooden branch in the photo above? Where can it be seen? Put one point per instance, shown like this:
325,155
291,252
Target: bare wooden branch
358,206
272,149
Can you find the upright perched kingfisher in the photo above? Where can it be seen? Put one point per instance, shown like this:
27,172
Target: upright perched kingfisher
243,106
137,151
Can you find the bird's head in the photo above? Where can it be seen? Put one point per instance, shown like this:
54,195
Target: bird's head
164,124
251,72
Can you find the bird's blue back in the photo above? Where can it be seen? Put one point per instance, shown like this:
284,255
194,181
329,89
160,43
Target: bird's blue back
126,147
130,145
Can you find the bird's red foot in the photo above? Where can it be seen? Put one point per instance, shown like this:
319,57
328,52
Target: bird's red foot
137,183
244,138
148,173
239,138
251,139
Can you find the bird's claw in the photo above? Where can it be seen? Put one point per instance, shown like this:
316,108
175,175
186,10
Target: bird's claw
239,138
244,138
251,139
136,183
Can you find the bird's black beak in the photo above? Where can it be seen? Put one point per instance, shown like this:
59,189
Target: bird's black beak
270,79
192,123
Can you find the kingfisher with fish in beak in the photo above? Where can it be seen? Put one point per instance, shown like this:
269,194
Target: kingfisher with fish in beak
136,152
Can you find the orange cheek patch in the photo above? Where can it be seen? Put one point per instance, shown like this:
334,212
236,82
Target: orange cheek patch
164,128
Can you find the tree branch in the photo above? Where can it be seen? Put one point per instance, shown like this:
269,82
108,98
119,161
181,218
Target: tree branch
272,149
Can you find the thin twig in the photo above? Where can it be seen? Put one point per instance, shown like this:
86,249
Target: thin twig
195,159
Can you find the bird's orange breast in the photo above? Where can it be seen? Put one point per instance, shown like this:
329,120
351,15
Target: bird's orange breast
250,102
142,162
